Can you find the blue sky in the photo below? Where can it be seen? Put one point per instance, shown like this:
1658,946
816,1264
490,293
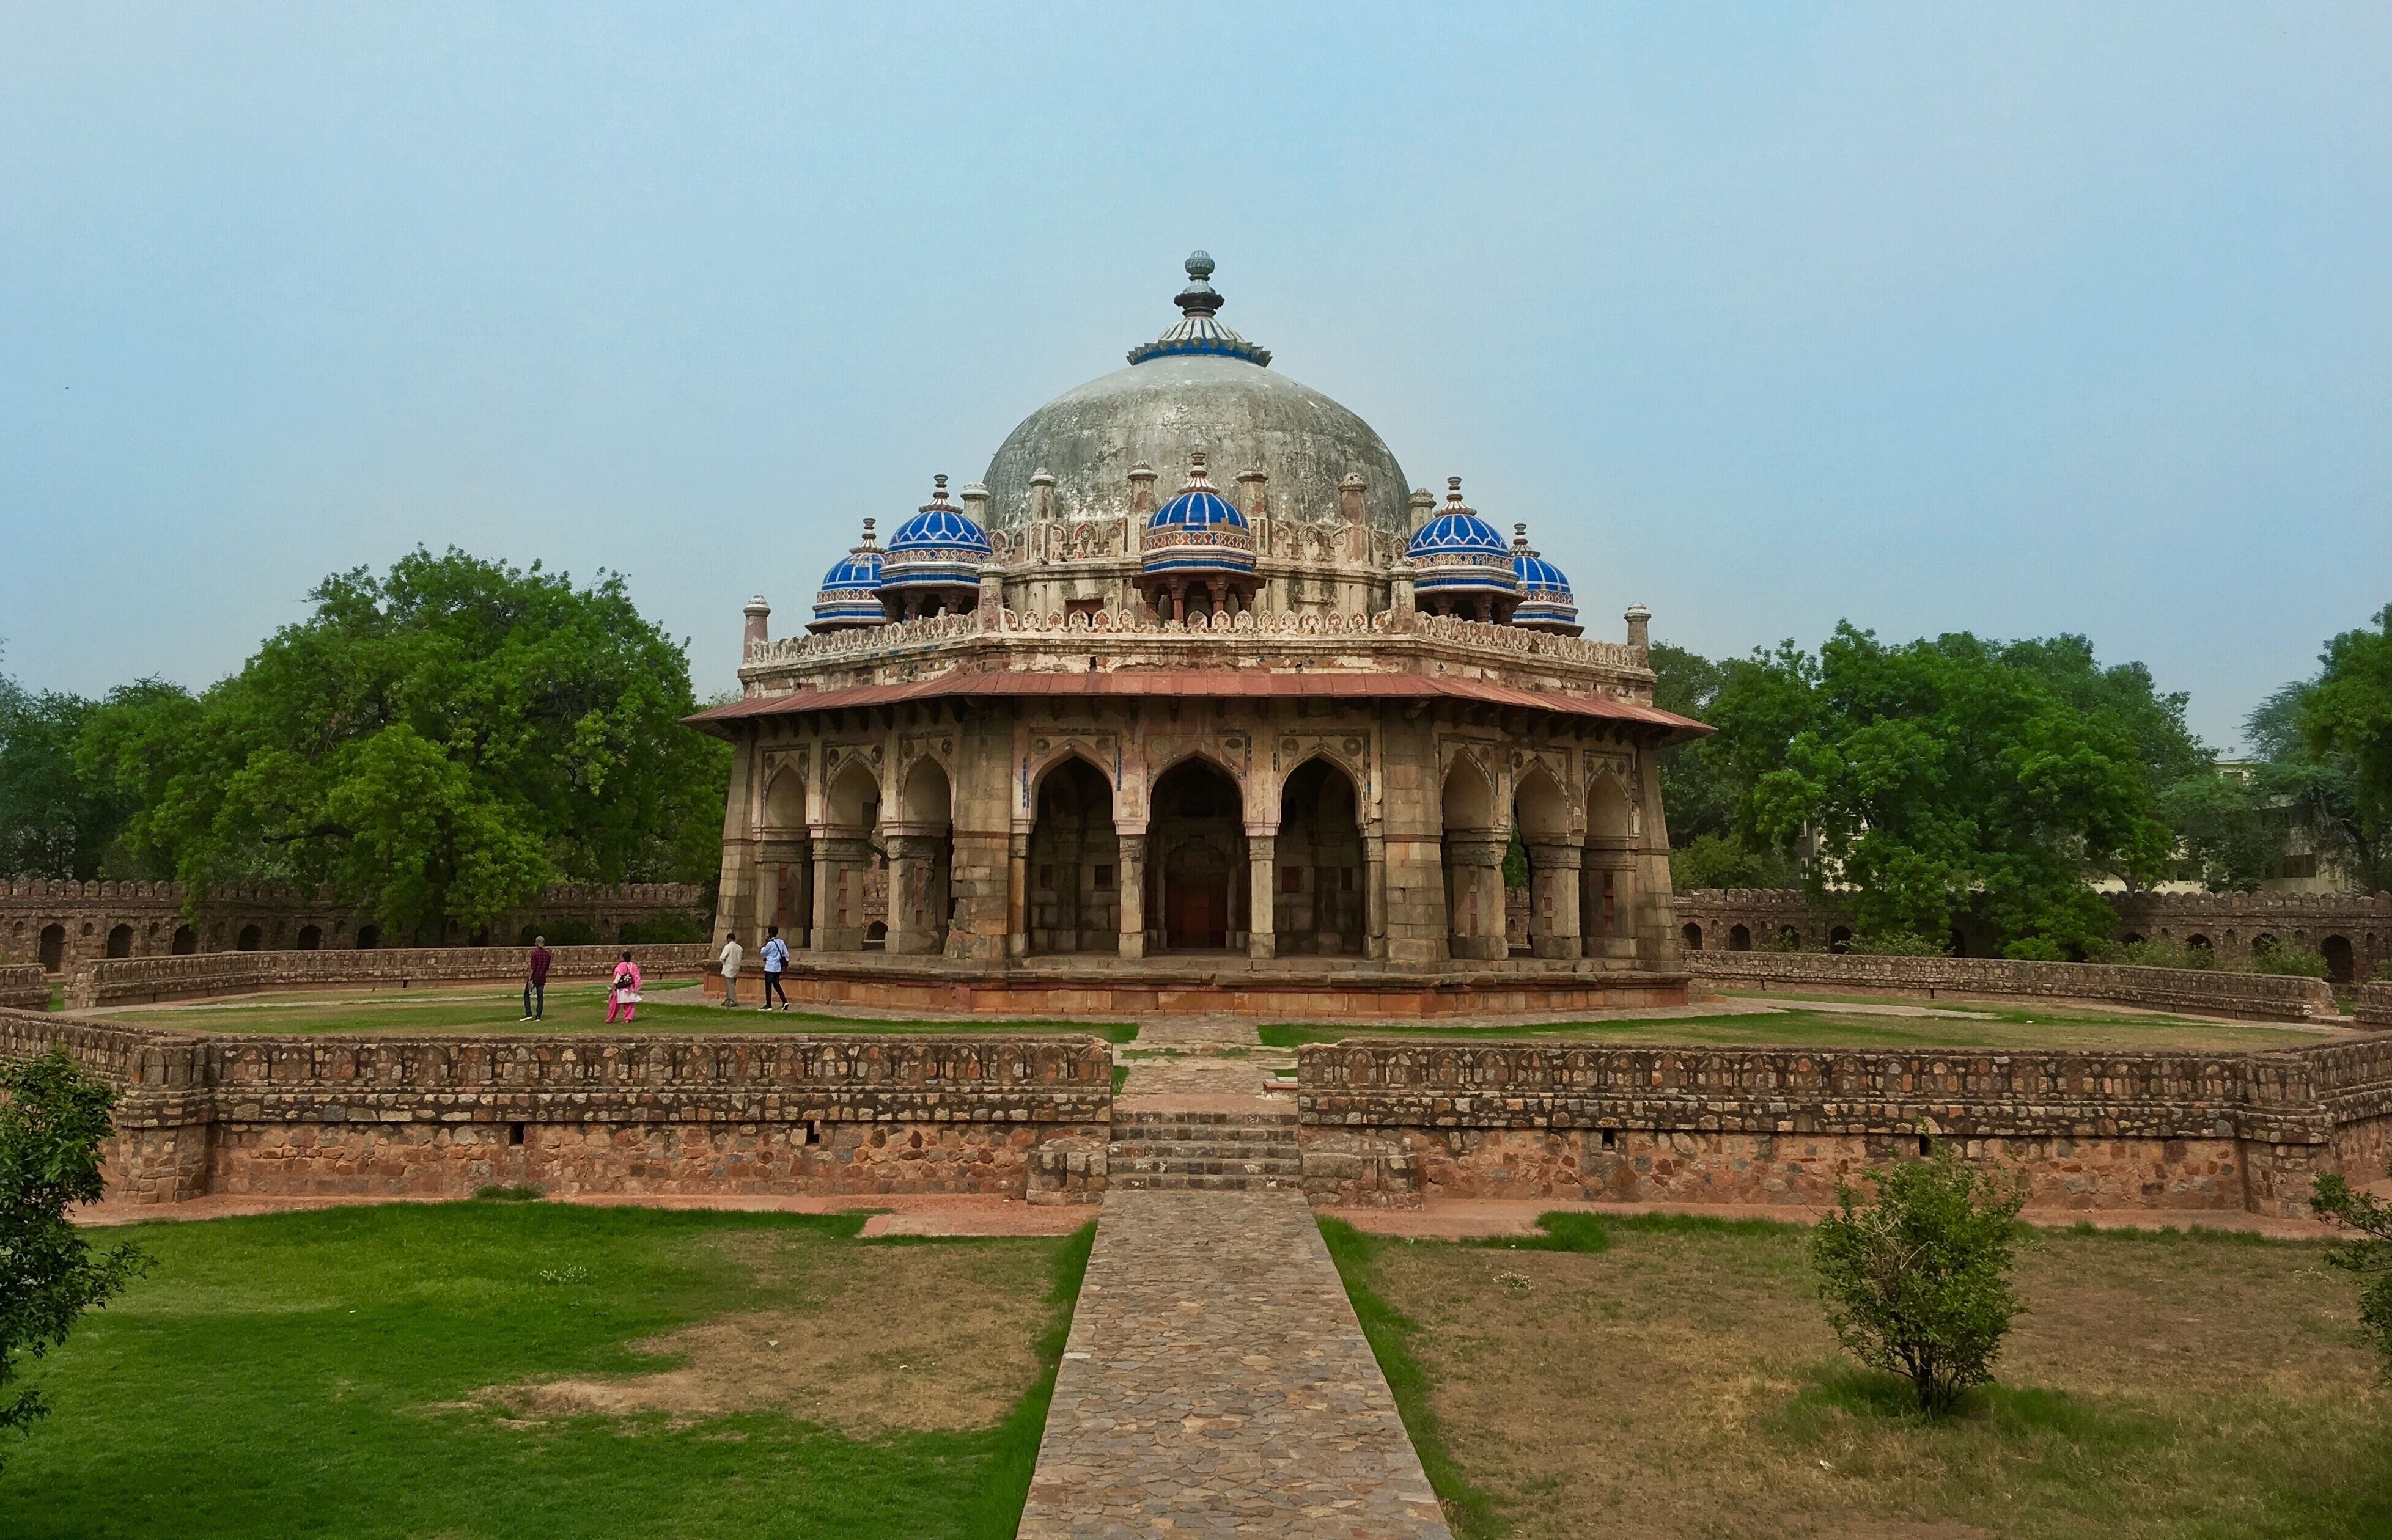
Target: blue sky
2013,319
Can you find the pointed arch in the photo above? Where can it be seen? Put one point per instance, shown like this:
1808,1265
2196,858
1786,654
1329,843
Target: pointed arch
1468,798
851,801
784,798
1610,811
927,794
1540,806
1319,871
1072,897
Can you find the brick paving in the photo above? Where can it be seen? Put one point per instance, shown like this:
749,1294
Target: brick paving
1216,1382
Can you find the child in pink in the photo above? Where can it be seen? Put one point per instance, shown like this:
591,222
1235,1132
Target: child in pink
625,991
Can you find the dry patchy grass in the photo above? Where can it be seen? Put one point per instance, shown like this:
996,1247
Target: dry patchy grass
1684,1382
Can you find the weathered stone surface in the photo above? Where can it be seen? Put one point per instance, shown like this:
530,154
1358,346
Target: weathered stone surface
1216,1382
140,980
2200,992
25,987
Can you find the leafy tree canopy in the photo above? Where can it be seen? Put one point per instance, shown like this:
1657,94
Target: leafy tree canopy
2345,720
440,743
54,821
1955,778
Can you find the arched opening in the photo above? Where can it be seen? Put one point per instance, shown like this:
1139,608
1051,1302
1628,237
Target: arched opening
875,936
845,856
1788,938
54,948
2132,938
186,941
1606,879
1317,903
1541,884
1475,841
120,941
1195,822
785,861
1739,939
1691,936
2261,942
2341,965
369,937
1073,903
1840,940
250,939
921,859
311,938
2199,943
785,801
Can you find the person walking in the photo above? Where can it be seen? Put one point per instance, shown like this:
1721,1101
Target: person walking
776,957
536,982
730,961
625,991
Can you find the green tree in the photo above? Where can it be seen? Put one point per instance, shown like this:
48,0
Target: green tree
1946,781
53,1118
55,822
440,743
2369,1255
1918,1282
2345,720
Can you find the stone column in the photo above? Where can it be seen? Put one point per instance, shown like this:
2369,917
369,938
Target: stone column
1017,894
1374,897
1477,856
1552,900
826,893
840,864
735,912
905,872
1132,878
1262,902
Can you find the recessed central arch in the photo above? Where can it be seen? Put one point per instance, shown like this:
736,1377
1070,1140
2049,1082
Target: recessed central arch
1196,840
845,856
921,860
1075,878
1318,898
1474,842
1548,891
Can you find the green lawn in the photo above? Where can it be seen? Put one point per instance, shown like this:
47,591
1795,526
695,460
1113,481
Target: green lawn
1811,1026
676,1008
332,1374
1666,1376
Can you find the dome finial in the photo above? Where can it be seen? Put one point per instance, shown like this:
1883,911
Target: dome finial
1199,298
1197,331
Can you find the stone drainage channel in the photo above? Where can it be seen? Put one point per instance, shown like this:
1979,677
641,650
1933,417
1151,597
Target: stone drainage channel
1216,1380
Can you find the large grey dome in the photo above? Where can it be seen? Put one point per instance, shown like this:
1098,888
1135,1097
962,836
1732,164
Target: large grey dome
1200,386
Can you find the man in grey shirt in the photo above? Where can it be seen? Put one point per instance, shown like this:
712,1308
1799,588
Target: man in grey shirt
731,955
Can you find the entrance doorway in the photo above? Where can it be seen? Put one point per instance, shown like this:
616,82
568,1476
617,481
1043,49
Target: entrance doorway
1196,824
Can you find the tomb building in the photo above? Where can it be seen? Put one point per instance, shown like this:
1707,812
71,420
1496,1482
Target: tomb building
1192,677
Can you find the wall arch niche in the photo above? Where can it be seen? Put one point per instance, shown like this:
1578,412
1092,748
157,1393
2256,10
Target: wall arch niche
1074,878
921,859
1197,860
785,860
845,854
1317,893
1541,814
1475,842
1606,880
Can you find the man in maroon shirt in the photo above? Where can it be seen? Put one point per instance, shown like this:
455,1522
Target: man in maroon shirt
535,987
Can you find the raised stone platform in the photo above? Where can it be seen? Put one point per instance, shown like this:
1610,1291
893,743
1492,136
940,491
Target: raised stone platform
1299,988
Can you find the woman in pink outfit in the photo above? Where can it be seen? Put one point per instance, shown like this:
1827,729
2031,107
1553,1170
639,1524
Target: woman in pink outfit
625,990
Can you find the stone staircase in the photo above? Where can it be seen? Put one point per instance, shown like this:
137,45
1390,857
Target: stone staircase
1202,1151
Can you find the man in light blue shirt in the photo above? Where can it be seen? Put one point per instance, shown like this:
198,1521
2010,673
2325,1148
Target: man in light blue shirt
776,957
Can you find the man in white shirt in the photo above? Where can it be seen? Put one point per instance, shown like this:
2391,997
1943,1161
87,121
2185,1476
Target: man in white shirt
776,957
731,955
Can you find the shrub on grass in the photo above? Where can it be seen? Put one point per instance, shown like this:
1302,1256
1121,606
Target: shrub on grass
2370,1255
2150,954
1918,1281
52,1120
1895,943
2277,957
2034,949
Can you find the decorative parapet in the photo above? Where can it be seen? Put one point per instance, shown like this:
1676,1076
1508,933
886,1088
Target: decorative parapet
891,641
2372,1007
25,987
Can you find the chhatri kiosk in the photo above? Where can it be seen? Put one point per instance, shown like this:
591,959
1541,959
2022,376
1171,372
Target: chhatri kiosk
1192,700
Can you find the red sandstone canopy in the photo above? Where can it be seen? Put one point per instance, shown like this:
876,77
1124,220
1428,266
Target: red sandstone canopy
1660,726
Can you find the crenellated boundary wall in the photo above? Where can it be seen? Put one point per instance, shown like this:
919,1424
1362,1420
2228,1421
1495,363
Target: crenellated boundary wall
144,981
2193,991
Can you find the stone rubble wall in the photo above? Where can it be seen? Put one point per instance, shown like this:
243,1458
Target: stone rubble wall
2371,1006
25,987
149,918
1388,1123
141,980
441,1117
2198,991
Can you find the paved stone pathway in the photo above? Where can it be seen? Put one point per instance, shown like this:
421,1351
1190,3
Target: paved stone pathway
1216,1382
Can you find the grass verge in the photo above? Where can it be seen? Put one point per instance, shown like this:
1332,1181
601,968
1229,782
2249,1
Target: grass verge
1469,1510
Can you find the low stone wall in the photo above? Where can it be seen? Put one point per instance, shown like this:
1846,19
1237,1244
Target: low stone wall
1388,1123
141,980
2373,1006
25,987
433,1117
2196,991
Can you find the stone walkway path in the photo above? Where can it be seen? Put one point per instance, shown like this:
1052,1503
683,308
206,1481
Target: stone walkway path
1216,1382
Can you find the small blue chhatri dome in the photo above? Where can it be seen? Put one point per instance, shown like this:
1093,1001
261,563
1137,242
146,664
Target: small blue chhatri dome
1199,531
1546,603
850,593
1458,554
939,547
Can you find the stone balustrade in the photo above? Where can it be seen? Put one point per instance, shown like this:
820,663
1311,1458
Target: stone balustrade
25,987
2197,991
2373,1006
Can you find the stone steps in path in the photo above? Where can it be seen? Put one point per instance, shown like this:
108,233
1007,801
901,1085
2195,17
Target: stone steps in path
1162,1150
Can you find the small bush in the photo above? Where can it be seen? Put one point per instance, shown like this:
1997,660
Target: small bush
2298,962
2370,1255
2034,949
1918,1282
2150,954
563,933
507,1195
666,930
2382,973
1898,944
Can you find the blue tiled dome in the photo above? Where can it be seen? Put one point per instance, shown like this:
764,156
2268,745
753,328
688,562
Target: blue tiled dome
939,528
1200,509
849,595
1541,577
1451,533
857,569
